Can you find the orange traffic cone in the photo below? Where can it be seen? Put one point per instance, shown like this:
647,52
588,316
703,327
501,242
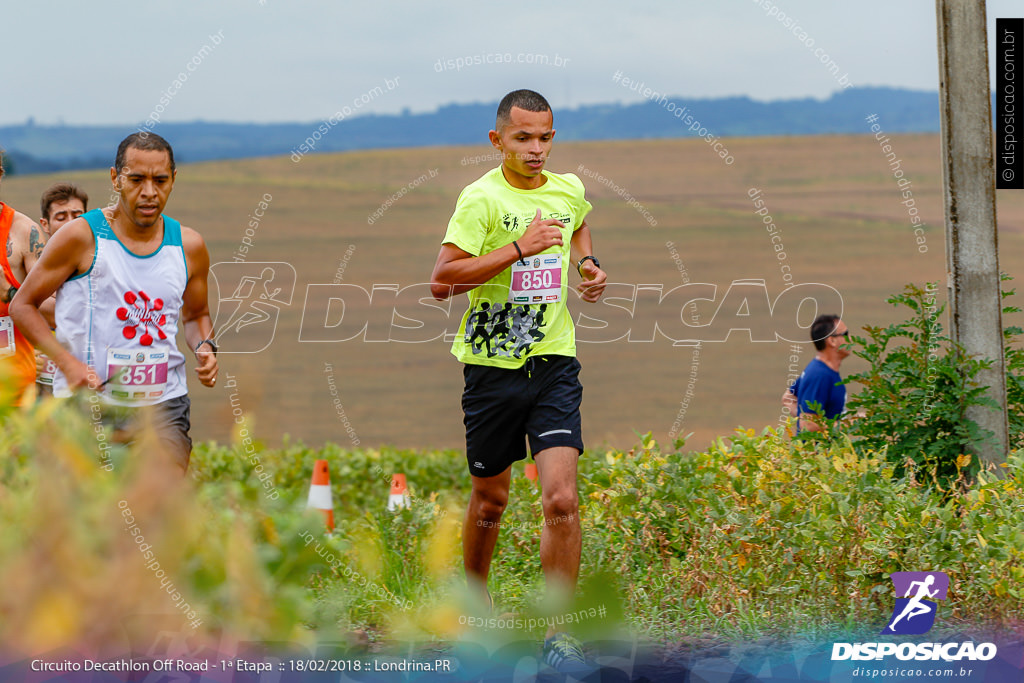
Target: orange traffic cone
320,493
399,498
531,471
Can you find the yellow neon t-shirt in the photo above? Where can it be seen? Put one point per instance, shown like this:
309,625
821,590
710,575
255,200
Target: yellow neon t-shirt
500,328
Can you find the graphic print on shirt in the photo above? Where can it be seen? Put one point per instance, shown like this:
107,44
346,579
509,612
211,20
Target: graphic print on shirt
135,375
511,222
142,312
504,329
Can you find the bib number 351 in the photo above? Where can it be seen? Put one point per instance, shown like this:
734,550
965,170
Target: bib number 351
135,375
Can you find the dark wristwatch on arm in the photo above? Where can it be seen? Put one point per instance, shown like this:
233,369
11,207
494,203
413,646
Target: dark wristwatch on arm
213,346
587,258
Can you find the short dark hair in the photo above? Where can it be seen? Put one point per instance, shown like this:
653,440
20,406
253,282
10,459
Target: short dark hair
527,100
61,192
822,328
143,140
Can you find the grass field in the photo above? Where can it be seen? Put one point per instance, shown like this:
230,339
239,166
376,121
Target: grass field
833,200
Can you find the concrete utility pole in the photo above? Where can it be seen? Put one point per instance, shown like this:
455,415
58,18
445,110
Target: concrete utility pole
975,304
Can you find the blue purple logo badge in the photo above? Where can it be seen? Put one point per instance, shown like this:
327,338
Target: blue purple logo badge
915,609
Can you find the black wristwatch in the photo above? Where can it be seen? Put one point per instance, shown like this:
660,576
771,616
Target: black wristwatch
213,345
10,294
587,258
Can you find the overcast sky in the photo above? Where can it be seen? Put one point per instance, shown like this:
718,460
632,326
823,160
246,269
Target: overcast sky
301,60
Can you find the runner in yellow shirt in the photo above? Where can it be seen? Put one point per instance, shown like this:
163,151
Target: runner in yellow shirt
516,235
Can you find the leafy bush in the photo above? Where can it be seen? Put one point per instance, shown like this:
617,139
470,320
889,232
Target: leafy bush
757,535
916,391
764,535
1013,358
104,561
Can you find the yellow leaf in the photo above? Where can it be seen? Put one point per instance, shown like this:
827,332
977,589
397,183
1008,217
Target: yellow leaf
963,460
982,542
443,620
56,622
270,530
442,545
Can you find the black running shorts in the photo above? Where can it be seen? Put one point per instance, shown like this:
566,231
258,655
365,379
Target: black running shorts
540,401
169,420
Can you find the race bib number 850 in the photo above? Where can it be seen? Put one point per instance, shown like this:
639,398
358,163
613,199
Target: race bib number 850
536,280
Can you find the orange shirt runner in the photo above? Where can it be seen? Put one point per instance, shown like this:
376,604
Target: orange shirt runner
16,354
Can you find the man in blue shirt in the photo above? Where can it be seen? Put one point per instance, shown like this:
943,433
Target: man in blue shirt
819,388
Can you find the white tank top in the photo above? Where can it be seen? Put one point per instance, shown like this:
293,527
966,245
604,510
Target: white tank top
121,317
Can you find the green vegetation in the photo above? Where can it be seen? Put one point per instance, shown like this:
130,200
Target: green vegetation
755,536
916,391
89,557
918,386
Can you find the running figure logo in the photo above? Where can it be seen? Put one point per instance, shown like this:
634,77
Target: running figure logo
504,330
915,611
251,297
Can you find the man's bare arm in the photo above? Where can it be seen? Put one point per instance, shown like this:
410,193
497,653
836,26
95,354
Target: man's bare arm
789,402
581,244
594,279
457,271
61,259
36,242
25,243
195,308
49,311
